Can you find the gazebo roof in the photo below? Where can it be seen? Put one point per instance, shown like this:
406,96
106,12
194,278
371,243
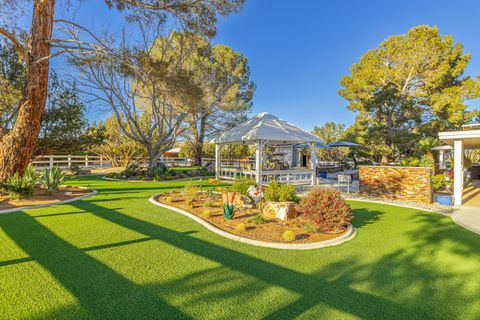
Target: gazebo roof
265,126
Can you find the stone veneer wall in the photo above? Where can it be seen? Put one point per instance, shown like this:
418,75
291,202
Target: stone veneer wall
397,183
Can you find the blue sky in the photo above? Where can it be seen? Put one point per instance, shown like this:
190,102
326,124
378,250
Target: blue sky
299,50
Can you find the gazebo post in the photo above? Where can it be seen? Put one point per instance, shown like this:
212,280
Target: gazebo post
458,172
258,162
313,161
218,160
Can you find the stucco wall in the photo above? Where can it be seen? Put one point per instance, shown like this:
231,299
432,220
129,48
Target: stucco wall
398,183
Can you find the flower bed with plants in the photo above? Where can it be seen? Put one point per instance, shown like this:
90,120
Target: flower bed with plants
33,189
242,210
159,173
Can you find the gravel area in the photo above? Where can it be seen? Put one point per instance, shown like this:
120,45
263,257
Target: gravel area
435,207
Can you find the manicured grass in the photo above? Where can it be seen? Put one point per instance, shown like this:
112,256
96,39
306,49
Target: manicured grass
115,256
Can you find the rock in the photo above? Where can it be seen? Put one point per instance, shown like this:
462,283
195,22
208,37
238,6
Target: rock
280,210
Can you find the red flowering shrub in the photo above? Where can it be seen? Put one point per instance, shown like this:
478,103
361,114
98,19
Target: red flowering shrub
327,208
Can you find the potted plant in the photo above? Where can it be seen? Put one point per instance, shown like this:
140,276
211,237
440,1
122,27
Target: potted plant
442,185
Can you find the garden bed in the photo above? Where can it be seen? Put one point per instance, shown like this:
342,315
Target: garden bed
40,198
271,230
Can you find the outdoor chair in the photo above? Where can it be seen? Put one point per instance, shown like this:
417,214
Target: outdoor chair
345,180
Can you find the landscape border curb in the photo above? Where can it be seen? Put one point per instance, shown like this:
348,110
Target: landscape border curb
349,235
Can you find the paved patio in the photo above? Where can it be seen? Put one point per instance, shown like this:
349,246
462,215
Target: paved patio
468,215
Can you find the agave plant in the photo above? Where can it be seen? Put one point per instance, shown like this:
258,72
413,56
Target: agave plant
52,179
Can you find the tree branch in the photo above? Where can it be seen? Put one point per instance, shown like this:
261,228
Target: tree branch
20,48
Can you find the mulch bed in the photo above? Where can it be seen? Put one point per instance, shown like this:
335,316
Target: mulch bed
40,197
271,231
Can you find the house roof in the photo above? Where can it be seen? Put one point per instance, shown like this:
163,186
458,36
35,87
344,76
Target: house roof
265,126
173,150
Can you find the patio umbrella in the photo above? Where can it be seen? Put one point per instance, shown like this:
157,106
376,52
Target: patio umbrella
342,143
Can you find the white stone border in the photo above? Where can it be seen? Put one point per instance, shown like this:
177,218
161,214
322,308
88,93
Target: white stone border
172,180
94,192
349,235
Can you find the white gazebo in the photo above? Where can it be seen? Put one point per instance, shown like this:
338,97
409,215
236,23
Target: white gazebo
265,130
468,138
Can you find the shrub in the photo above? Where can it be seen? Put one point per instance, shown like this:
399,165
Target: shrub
206,213
241,227
257,219
190,193
208,203
132,170
326,208
241,185
51,179
17,187
427,160
159,170
439,181
279,192
75,170
169,199
410,162
289,235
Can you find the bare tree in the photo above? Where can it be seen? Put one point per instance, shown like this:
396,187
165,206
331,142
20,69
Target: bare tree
148,95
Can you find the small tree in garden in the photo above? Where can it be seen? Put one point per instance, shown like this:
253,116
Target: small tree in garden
327,208
118,148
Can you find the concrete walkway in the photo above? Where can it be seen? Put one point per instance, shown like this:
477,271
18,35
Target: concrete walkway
468,215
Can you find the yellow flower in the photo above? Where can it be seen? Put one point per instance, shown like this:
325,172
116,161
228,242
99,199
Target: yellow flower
213,181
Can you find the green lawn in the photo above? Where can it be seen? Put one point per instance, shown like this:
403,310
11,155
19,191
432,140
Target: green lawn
116,256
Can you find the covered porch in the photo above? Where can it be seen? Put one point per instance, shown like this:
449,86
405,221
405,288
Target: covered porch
283,152
466,139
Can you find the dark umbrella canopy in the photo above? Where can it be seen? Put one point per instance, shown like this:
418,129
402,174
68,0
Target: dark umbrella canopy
342,143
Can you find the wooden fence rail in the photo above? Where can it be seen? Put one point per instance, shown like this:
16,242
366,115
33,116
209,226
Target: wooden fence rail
69,161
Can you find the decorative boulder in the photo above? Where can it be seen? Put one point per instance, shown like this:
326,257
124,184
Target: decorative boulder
280,210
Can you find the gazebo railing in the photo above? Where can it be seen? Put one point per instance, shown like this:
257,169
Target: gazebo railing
295,176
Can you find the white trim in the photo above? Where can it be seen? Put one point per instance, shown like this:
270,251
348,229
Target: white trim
94,192
453,135
349,235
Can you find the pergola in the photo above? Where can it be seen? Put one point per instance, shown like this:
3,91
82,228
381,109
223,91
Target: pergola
265,130
468,138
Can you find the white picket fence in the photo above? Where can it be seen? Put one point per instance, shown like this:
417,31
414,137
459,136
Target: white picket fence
68,161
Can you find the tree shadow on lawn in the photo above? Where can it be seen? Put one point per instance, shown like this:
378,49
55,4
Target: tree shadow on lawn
317,289
102,292
403,284
364,217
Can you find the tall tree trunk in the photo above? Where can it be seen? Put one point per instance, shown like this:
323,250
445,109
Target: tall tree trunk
17,146
198,140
